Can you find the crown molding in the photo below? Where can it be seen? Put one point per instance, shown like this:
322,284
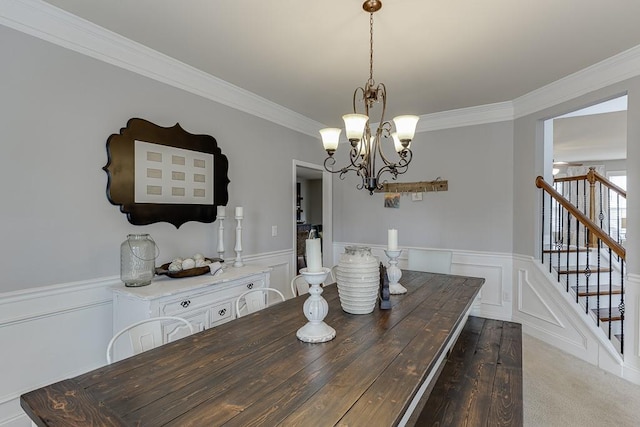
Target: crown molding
47,22
42,20
615,69
481,114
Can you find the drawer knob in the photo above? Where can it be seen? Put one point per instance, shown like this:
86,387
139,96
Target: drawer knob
185,303
250,286
222,312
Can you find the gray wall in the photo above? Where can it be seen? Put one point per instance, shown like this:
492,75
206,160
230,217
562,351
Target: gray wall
475,214
57,110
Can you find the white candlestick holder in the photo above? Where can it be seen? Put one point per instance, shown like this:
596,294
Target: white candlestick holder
238,248
394,273
315,309
221,238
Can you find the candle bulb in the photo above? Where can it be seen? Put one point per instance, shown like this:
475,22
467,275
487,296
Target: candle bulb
239,211
221,212
393,239
314,255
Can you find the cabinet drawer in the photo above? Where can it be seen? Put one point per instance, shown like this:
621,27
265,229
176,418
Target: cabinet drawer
180,306
221,312
183,306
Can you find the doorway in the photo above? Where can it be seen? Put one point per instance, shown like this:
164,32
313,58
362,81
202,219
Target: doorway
591,136
312,210
595,138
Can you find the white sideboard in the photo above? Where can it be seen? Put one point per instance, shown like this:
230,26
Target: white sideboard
206,300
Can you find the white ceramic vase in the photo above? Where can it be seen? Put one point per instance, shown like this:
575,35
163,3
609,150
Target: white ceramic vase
358,280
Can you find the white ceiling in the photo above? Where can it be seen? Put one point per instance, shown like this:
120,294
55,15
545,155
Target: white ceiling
433,56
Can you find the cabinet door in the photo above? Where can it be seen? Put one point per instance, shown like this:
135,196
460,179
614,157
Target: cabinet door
175,330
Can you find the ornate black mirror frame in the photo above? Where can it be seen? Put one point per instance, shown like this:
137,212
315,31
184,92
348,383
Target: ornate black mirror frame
120,169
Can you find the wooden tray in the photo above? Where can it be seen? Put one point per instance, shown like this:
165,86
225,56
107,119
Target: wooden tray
195,271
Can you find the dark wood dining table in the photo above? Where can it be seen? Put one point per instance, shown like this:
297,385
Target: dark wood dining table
253,371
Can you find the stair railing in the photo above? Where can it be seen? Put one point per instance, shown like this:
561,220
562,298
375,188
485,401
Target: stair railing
565,230
602,194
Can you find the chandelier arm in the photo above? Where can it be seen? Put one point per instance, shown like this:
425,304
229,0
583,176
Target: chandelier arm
398,168
330,161
354,153
386,129
382,90
355,96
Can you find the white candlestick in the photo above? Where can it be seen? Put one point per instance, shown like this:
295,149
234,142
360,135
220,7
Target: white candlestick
315,309
221,236
238,262
393,239
314,256
394,273
221,212
239,211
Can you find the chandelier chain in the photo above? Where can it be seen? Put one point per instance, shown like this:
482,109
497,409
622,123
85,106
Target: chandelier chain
371,46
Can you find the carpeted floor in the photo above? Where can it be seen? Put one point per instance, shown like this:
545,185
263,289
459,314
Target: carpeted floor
563,391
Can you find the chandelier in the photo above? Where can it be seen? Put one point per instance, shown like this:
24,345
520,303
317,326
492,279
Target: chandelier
366,145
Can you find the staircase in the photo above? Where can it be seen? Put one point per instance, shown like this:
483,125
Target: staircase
588,262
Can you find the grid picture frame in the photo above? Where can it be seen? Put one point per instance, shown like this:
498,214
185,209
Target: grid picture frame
165,174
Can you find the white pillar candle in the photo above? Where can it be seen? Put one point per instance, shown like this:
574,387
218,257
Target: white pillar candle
221,212
393,239
314,255
239,211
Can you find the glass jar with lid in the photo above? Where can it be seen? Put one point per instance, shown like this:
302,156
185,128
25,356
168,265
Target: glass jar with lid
137,260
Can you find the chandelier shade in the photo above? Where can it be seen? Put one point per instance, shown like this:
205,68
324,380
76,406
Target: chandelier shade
406,127
365,144
330,138
354,125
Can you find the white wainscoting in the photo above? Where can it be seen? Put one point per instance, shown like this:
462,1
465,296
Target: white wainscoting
549,313
494,300
518,288
55,332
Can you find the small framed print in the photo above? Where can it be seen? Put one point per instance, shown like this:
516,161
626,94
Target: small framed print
392,200
158,174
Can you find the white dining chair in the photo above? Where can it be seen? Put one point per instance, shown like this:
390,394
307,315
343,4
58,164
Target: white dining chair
333,277
299,286
254,300
145,334
430,260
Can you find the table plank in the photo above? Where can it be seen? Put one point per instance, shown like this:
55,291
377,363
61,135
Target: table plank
72,405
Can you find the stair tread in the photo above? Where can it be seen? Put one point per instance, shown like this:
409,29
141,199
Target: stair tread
567,250
593,290
579,269
603,314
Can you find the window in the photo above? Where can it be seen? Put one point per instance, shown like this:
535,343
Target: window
618,206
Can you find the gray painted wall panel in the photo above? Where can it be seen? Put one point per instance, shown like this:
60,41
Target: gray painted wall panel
57,110
475,214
